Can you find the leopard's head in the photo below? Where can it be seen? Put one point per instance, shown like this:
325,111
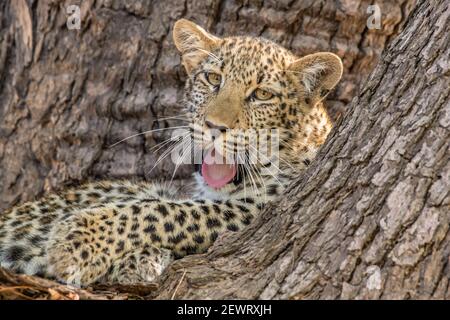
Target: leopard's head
253,102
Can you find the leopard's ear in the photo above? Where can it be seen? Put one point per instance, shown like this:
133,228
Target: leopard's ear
319,73
193,42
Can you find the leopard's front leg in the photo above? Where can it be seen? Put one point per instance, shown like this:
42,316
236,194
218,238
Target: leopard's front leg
83,248
139,265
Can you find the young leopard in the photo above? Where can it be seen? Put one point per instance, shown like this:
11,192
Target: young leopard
129,232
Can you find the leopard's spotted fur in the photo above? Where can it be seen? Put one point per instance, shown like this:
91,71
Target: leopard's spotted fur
128,232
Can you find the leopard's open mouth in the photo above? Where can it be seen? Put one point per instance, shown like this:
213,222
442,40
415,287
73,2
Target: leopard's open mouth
238,178
217,173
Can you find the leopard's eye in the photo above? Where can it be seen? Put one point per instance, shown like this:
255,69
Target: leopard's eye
213,78
261,94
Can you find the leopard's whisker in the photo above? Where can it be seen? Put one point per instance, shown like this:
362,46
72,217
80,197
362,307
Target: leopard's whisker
161,145
146,132
245,170
253,182
167,152
259,177
286,162
164,143
185,152
168,141
261,154
276,167
245,185
183,118
212,55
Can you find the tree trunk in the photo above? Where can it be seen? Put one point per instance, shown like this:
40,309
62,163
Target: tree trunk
67,95
370,218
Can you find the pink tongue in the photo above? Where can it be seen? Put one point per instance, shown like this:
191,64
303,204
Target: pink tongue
218,174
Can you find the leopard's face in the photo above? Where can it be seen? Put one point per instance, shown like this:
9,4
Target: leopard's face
242,92
249,98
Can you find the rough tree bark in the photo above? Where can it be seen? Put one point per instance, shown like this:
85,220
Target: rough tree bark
370,219
66,95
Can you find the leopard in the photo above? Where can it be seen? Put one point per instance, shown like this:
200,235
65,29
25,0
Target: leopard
128,232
